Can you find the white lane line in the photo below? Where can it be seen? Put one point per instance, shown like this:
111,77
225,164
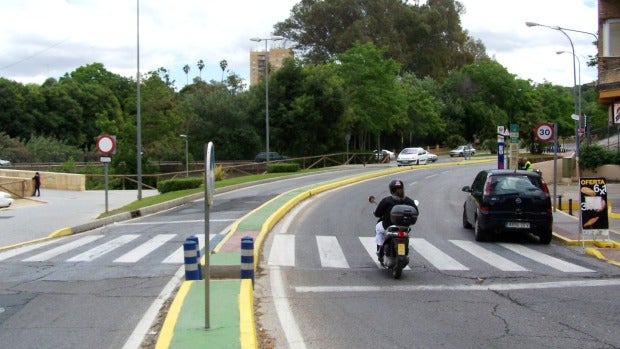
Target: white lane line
102,249
62,249
282,251
330,252
141,251
496,287
371,247
283,309
487,256
23,249
435,256
545,259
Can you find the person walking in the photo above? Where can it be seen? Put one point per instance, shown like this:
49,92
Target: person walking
37,184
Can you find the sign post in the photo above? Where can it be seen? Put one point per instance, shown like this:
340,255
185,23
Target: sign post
209,189
106,145
500,147
514,146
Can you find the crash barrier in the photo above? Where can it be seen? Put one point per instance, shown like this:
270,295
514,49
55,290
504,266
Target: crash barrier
195,239
247,258
191,260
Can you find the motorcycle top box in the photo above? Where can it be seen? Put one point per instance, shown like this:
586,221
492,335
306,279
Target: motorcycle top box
403,215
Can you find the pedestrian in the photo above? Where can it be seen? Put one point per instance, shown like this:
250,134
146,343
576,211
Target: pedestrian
37,184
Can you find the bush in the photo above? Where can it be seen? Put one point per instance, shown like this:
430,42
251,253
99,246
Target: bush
491,145
178,184
593,155
219,173
280,167
454,141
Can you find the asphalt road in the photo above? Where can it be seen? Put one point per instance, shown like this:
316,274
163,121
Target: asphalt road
92,289
321,287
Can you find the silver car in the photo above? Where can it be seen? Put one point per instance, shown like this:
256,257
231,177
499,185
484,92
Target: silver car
463,150
412,156
5,199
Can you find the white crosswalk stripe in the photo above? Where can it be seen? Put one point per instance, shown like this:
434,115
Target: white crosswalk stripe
282,251
435,256
141,251
545,259
487,256
44,256
330,252
176,257
371,247
103,249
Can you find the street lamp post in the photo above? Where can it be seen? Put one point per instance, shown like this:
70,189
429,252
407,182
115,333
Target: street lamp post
579,70
272,38
186,157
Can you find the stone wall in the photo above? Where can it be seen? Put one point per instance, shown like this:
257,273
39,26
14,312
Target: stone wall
19,182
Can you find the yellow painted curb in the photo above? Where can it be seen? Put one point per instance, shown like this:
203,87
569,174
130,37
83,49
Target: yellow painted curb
61,232
167,329
596,253
246,316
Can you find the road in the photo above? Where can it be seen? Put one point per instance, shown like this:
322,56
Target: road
321,287
91,290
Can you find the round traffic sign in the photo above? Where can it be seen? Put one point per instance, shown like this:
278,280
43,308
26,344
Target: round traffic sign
106,144
544,132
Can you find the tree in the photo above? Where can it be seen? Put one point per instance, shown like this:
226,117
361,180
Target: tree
201,65
186,70
223,65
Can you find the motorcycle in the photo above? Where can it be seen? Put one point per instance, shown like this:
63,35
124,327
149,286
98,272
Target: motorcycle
396,245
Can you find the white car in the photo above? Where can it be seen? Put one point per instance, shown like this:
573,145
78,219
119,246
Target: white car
463,150
5,199
380,155
412,156
5,162
431,157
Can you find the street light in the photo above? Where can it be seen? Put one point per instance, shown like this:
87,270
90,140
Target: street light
186,157
579,66
272,38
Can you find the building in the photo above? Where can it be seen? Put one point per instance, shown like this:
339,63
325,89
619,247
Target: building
276,58
609,57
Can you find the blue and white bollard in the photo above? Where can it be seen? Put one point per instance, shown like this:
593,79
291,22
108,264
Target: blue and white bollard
191,262
195,239
247,258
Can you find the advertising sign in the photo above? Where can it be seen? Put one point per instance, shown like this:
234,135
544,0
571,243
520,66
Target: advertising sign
593,206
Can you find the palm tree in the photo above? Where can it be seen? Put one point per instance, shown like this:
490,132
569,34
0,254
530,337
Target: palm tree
201,64
223,65
186,70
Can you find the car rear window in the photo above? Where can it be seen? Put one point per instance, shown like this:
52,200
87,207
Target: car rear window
511,184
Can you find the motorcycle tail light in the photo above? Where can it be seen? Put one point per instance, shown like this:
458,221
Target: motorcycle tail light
402,234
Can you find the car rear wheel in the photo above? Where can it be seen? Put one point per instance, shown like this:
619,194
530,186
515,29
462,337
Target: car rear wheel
544,237
466,224
479,233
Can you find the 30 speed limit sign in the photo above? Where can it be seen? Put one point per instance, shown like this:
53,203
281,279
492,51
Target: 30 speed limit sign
544,132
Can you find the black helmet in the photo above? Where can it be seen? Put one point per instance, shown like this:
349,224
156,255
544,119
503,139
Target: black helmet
396,184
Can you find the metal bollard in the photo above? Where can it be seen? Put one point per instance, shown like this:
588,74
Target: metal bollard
570,207
247,258
191,263
560,202
195,239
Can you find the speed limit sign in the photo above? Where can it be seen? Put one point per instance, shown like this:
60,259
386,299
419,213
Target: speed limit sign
544,132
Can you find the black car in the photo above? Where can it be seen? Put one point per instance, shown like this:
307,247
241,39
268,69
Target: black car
262,156
508,201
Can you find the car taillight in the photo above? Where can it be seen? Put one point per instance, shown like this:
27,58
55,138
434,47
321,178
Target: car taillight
487,188
545,188
484,209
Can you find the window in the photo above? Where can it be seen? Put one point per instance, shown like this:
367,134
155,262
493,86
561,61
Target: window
611,38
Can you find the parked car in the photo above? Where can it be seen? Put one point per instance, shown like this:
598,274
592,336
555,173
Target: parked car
463,150
5,162
5,199
262,156
501,201
431,157
409,156
380,155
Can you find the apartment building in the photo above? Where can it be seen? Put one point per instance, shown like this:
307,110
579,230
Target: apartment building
258,61
609,57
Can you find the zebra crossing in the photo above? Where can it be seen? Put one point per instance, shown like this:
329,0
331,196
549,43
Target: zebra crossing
134,248
90,248
331,255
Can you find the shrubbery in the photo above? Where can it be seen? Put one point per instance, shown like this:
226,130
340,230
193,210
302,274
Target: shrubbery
279,167
593,155
169,185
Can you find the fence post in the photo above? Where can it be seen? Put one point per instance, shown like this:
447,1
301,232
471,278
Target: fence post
191,263
247,258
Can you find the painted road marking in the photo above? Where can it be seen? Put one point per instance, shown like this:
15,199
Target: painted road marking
330,252
62,249
487,256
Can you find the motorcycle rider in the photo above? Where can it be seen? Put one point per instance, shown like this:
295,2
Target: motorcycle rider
397,197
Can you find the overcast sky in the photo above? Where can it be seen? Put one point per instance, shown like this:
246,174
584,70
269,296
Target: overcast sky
48,38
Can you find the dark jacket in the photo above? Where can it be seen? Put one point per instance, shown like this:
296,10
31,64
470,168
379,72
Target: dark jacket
385,206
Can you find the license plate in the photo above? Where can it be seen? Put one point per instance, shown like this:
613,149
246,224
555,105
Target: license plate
518,225
401,249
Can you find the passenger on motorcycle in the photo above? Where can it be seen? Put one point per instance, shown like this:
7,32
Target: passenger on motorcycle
397,197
